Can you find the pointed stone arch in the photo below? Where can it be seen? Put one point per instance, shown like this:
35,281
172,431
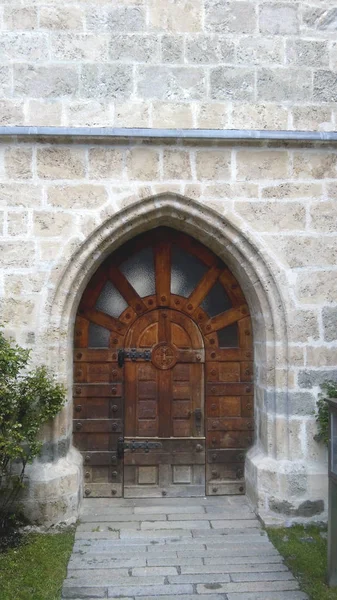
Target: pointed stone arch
260,279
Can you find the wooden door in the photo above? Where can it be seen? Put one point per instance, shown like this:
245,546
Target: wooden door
164,408
181,310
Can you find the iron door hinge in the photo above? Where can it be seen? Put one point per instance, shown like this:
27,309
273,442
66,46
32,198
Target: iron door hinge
133,354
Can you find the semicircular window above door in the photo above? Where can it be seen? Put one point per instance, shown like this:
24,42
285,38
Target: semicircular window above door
154,277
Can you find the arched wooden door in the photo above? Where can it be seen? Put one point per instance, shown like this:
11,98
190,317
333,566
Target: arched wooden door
163,372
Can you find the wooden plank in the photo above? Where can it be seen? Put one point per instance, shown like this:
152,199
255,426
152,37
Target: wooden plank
81,335
100,390
229,439
202,289
126,290
98,408
100,458
227,354
97,372
231,424
245,333
232,287
191,246
162,255
228,389
94,288
104,320
224,319
98,425
227,406
98,355
226,456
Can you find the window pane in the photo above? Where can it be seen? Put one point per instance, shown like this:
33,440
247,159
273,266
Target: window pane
110,301
216,301
229,336
139,271
187,270
98,336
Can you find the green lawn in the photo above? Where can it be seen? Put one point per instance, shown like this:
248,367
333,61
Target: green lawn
305,551
36,569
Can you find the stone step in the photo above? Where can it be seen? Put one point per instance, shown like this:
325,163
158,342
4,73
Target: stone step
105,578
234,568
148,590
145,525
250,586
295,595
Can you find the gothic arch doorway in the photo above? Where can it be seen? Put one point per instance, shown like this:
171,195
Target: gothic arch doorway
163,369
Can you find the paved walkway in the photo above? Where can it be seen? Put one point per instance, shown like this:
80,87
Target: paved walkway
181,549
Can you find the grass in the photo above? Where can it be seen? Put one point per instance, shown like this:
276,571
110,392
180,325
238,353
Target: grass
305,551
36,569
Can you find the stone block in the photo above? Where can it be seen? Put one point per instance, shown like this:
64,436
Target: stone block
115,19
214,115
261,164
172,115
106,163
60,162
204,49
106,81
19,312
321,356
172,49
44,81
333,56
5,80
319,19
23,46
61,18
323,216
312,118
259,116
176,15
171,83
260,51
287,191
223,191
332,190
213,164
308,251
329,316
134,48
52,224
325,86
150,590
22,18
232,83
77,196
11,112
16,285
303,326
79,47
283,85
88,113
272,216
44,113
230,17
315,165
176,164
132,114
17,254
18,162
316,287
20,194
278,18
17,223
142,164
292,403
311,378
307,53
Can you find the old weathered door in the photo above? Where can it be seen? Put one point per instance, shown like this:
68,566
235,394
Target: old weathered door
164,408
163,329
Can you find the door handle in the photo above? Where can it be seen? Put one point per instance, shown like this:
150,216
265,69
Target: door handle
120,448
198,415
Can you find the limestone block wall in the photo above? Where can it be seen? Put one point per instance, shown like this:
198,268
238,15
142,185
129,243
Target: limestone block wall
169,63
269,210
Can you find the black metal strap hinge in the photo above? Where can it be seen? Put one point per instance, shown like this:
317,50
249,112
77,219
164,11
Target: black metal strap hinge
133,354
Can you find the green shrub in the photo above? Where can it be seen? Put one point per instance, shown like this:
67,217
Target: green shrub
322,414
28,399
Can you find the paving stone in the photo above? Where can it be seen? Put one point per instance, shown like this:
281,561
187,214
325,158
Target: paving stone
119,517
80,591
104,577
233,568
167,561
167,509
148,590
244,559
201,578
111,526
218,524
146,535
296,595
175,525
262,576
249,586
148,571
104,561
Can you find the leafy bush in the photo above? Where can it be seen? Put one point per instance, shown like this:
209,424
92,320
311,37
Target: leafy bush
28,399
322,415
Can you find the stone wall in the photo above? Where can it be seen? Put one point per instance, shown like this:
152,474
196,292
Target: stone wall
169,63
66,206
